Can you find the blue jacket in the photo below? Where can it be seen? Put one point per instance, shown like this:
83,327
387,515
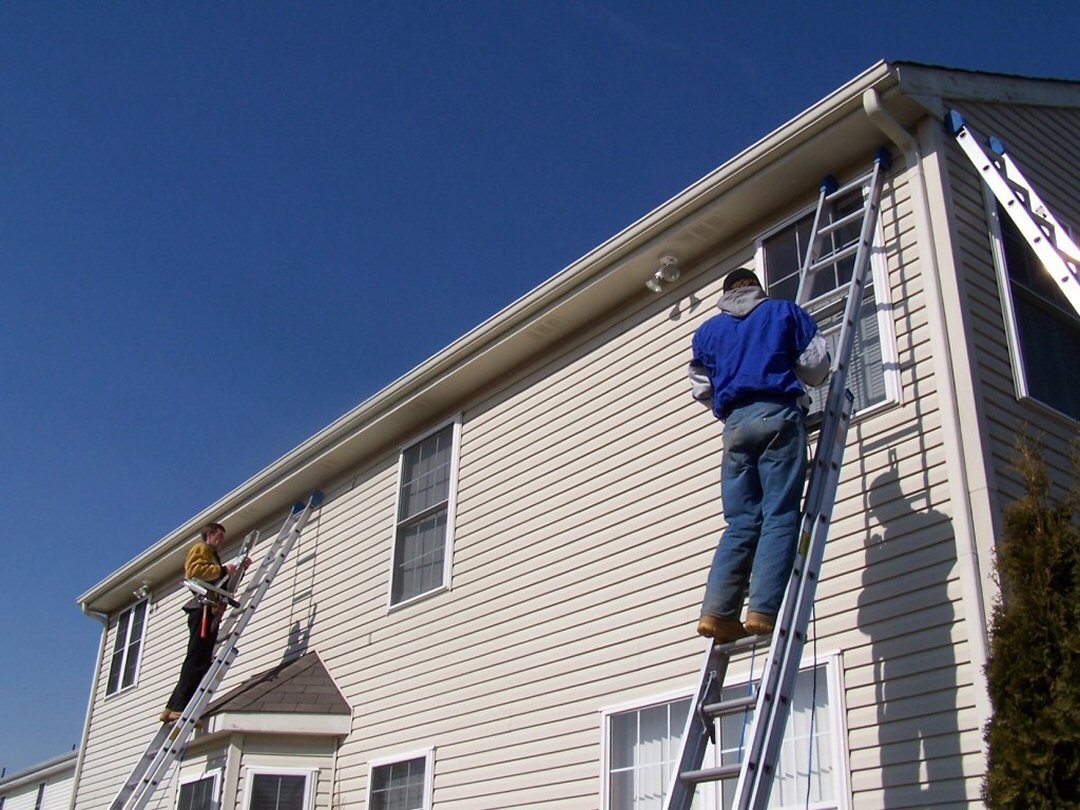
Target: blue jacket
757,348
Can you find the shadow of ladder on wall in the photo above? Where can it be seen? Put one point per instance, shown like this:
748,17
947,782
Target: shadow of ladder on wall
1048,239
172,738
771,696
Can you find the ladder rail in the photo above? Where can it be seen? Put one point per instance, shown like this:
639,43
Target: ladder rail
171,739
772,699
1046,236
782,665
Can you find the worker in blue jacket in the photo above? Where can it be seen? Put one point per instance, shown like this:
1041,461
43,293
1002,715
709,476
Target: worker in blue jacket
751,363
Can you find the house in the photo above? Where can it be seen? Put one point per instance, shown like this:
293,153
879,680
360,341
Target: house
49,785
496,601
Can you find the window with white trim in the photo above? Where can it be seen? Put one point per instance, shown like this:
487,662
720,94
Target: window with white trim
277,789
127,645
642,744
423,533
199,792
40,801
1043,328
873,376
402,783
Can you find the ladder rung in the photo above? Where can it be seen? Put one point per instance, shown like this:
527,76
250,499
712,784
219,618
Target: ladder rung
729,706
857,183
744,643
847,219
711,774
833,258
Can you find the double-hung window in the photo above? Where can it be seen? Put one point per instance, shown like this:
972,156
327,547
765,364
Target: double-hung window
127,646
401,783
1043,328
423,533
276,789
872,372
199,792
642,745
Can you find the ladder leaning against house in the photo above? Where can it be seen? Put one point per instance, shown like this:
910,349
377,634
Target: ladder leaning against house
171,738
771,700
1047,237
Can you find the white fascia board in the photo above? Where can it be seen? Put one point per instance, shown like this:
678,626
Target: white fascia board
324,725
618,268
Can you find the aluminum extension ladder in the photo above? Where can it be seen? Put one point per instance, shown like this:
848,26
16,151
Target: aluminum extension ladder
1046,236
771,700
172,738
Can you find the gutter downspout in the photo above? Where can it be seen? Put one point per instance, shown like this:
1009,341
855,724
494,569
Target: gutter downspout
963,520
104,619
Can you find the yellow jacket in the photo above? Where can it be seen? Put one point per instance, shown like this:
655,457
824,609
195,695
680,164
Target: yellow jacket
202,562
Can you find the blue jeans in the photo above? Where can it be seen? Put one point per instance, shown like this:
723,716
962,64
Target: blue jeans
761,483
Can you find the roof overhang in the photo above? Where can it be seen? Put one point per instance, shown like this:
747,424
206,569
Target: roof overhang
833,134
42,772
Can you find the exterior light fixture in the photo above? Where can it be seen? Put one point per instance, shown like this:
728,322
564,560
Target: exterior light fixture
668,272
143,590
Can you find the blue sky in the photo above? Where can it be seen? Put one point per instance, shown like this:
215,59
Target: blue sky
224,225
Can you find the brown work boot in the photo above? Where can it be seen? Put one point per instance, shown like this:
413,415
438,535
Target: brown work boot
169,716
721,628
759,624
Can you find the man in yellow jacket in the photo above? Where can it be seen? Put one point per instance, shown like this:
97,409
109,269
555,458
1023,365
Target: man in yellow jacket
202,562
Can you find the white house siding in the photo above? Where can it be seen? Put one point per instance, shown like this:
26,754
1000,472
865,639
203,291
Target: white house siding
1044,141
587,511
58,793
122,724
24,797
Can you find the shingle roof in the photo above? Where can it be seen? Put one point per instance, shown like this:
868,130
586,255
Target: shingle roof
299,686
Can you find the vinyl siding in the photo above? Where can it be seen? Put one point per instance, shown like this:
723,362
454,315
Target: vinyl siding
587,512
57,794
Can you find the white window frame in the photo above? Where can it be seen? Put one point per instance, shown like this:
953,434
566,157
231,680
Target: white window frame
310,775
214,774
451,508
879,274
832,662
127,648
1012,328
427,754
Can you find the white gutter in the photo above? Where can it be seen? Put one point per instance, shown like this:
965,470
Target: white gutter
963,521
104,619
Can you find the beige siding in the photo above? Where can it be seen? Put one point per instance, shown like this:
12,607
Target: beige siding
263,754
587,511
57,794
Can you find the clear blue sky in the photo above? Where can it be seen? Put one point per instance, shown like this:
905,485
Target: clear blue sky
224,225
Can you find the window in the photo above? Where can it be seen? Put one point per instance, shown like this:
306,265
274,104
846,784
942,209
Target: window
1043,328
124,666
199,792
40,801
872,375
643,746
402,783
423,532
643,743
278,791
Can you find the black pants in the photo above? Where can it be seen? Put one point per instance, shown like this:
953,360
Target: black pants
200,654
